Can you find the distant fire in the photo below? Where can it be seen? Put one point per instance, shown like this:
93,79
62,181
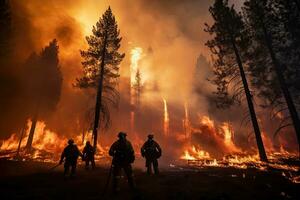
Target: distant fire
136,54
194,153
47,145
186,122
166,118
228,137
197,156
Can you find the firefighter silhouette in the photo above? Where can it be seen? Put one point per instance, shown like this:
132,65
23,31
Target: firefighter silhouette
123,156
70,154
89,155
151,151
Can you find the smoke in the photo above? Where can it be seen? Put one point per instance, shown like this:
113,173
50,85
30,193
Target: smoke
170,32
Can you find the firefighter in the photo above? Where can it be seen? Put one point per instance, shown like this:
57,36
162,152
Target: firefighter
88,155
151,151
123,156
70,154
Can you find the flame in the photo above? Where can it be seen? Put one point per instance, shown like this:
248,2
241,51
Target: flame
195,153
228,137
47,145
166,118
135,58
136,55
187,156
205,120
186,122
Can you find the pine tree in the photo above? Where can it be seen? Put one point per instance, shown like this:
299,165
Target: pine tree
138,88
228,44
269,39
101,67
43,81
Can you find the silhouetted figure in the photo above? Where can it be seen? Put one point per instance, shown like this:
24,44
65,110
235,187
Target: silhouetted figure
123,155
151,151
88,155
71,154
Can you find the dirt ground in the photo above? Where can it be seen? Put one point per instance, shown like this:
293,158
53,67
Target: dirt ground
32,180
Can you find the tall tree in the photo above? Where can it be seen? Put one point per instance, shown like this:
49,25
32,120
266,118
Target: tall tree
101,67
270,39
43,82
227,45
138,88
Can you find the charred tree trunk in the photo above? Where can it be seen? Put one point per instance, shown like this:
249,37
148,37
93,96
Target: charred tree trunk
284,88
83,136
260,145
20,141
31,133
99,94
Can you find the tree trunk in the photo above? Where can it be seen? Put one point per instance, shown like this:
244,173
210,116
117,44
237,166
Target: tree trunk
283,85
20,142
31,133
260,145
99,94
83,136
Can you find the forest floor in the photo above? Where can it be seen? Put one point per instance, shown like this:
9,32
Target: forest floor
34,180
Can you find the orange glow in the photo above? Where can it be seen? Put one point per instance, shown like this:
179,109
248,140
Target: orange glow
205,120
47,145
194,153
186,122
166,118
228,137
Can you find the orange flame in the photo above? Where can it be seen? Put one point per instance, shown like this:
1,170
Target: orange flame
166,118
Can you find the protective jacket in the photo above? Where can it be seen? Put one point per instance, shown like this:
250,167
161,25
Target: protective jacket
71,153
122,152
151,150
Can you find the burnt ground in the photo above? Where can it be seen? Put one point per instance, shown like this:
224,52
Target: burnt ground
32,180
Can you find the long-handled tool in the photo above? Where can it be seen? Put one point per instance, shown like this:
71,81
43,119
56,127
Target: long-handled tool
52,168
108,180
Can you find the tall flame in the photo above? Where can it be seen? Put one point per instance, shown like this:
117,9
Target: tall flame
166,118
228,137
135,58
186,122
136,55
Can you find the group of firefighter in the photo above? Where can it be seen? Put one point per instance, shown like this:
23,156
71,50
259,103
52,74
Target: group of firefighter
122,154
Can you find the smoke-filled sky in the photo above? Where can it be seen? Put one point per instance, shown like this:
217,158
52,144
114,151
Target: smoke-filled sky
170,34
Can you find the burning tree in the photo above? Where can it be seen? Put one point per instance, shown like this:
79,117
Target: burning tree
43,82
274,55
138,88
101,67
227,46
